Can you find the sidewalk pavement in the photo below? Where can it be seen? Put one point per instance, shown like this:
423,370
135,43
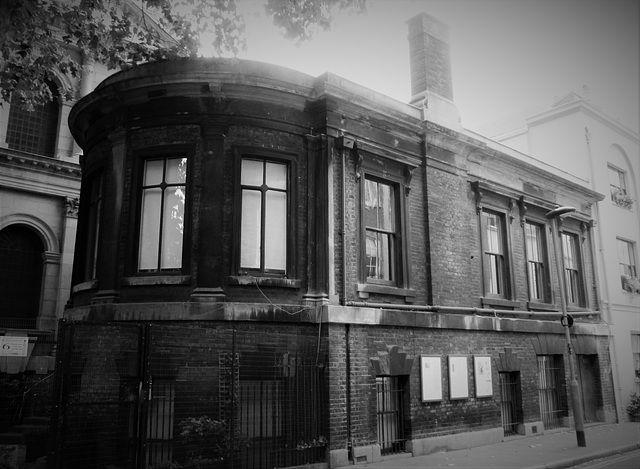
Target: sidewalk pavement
550,450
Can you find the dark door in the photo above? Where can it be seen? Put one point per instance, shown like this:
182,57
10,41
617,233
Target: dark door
586,374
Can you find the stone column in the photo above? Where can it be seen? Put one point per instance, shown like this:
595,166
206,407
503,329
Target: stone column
317,221
67,248
49,293
86,87
107,266
210,266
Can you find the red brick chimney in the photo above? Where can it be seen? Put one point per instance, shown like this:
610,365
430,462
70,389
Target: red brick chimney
430,61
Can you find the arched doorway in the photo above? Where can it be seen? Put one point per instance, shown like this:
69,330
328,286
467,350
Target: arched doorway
21,267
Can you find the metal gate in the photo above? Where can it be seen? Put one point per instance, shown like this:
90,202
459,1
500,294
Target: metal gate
510,401
390,410
550,384
157,396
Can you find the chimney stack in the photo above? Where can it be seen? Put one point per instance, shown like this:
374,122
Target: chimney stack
430,63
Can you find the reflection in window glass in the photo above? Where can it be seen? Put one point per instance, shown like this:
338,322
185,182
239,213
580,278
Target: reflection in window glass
494,259
571,268
627,263
263,228
380,222
93,226
617,183
162,214
535,261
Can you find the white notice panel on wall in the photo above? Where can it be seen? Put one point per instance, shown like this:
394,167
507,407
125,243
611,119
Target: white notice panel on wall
431,377
482,373
458,380
12,346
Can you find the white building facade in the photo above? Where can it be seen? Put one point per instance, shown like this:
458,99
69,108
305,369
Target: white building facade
580,139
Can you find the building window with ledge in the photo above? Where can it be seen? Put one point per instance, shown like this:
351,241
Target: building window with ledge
635,350
537,270
381,231
162,214
627,263
573,269
495,254
383,228
618,188
92,227
264,187
34,131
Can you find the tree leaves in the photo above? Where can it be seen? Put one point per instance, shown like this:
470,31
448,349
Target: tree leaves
40,36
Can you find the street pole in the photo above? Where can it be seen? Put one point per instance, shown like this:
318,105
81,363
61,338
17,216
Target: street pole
553,216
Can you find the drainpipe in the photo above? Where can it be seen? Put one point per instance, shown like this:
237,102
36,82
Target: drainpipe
340,144
603,297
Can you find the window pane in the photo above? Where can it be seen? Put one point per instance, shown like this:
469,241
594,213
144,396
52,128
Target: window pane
533,242
372,255
276,176
173,224
624,252
252,173
275,231
569,251
534,281
495,274
384,257
379,253
386,218
493,233
149,233
250,229
153,172
616,178
34,131
176,171
379,206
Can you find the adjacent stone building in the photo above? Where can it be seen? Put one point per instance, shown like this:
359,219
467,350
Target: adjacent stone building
580,138
331,275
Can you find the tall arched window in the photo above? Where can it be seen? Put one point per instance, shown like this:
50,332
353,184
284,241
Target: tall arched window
20,276
35,131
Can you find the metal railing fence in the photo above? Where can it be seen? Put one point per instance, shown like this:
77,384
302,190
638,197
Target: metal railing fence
151,396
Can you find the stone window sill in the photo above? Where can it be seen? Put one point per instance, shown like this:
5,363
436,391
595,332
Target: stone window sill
251,280
364,289
145,281
537,306
84,286
500,303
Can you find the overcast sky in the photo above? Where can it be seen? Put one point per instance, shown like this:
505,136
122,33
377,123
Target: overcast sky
507,55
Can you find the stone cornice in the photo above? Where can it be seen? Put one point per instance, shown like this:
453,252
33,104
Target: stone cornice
40,174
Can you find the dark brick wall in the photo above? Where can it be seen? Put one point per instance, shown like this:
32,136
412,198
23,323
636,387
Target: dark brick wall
429,419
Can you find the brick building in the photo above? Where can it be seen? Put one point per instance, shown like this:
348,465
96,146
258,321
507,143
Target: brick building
332,275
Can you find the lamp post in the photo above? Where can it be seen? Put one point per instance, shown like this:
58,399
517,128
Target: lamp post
553,216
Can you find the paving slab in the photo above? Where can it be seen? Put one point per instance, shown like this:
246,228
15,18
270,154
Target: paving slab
555,449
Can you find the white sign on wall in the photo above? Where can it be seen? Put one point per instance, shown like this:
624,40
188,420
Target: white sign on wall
12,346
482,373
431,376
458,378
